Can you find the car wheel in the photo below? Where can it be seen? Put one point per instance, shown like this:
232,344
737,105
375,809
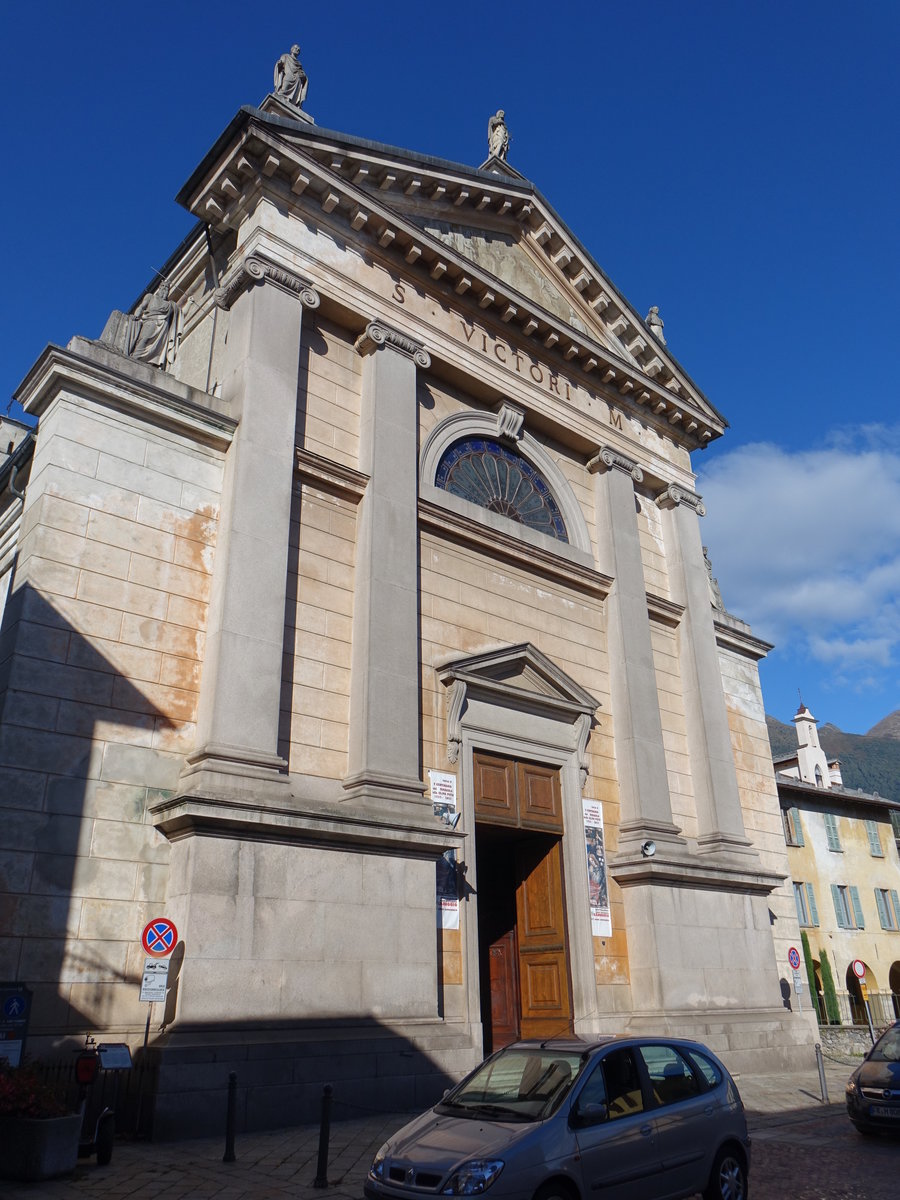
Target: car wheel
554,1191
728,1179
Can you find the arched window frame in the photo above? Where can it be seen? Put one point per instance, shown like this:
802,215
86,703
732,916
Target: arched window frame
496,426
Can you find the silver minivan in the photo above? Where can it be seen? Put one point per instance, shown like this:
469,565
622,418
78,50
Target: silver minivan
620,1118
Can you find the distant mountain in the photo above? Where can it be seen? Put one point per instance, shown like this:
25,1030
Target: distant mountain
870,761
888,726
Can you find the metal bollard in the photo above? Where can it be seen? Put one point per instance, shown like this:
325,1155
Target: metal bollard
820,1063
321,1179
228,1156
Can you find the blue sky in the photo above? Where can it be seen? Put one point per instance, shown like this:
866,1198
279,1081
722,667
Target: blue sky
734,163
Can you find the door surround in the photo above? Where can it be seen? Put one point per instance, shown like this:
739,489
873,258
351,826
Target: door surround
516,703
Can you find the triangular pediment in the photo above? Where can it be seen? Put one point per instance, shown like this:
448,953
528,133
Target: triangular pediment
521,669
502,254
484,239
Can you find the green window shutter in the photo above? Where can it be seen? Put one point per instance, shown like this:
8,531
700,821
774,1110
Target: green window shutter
838,906
895,822
881,902
857,908
798,828
874,839
798,900
811,901
831,831
896,904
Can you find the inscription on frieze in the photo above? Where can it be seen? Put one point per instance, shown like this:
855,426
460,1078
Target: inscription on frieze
525,365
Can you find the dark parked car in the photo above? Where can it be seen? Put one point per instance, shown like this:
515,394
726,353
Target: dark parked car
617,1119
873,1090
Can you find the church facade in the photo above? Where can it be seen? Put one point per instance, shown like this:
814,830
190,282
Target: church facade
359,623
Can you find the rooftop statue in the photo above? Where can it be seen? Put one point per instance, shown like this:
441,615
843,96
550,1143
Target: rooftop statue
151,333
291,81
498,136
655,323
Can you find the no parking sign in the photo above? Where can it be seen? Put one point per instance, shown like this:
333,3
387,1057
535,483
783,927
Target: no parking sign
794,958
159,937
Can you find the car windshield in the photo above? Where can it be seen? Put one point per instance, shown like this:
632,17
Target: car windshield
515,1085
887,1048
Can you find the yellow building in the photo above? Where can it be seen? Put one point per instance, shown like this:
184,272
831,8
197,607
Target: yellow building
843,848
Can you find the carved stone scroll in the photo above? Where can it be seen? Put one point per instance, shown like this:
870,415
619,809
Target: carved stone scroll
672,496
378,334
256,269
456,699
583,725
609,459
509,422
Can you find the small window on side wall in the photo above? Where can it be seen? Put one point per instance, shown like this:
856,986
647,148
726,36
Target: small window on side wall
793,830
874,839
831,832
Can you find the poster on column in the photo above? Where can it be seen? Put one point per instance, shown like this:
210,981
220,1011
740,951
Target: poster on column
443,799
598,891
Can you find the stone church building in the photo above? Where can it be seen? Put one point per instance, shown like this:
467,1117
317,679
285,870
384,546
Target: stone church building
358,621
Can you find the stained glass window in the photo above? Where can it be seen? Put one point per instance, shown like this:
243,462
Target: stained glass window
495,477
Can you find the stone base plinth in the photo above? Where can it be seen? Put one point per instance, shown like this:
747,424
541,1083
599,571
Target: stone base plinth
281,1072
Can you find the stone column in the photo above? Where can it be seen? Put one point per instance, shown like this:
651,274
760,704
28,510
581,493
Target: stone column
240,690
719,816
646,809
384,762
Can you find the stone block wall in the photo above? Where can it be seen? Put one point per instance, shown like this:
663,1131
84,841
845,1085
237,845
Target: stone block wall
101,652
302,934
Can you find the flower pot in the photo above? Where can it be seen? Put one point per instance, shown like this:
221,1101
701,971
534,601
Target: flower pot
38,1148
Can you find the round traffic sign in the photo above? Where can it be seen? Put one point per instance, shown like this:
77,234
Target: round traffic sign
859,968
794,957
159,937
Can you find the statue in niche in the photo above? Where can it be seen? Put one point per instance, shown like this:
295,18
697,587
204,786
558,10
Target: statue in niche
717,601
151,333
498,136
655,323
291,81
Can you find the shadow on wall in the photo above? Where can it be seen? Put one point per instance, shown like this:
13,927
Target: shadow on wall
282,1067
80,869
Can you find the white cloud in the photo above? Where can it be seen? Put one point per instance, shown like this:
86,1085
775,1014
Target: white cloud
806,544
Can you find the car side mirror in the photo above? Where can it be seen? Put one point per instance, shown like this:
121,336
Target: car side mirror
583,1115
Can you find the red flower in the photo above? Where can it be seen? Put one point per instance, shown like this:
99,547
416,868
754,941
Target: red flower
24,1094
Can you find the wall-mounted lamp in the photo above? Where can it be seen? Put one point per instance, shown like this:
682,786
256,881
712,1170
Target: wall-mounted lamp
648,849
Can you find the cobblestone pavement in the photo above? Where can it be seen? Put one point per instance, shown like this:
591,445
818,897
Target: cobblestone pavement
802,1150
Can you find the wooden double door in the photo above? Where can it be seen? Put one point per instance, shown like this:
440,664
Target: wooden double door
522,940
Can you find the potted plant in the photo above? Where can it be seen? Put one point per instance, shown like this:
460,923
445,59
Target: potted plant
39,1133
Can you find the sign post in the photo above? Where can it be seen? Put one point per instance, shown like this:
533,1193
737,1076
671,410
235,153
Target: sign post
158,939
859,970
794,961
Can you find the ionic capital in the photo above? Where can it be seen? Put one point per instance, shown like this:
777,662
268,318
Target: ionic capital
672,497
608,459
378,334
257,269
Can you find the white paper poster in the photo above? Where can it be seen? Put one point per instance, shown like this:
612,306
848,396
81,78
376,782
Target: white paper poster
443,798
595,847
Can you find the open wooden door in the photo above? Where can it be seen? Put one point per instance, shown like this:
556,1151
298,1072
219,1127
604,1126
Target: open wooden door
545,995
522,919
